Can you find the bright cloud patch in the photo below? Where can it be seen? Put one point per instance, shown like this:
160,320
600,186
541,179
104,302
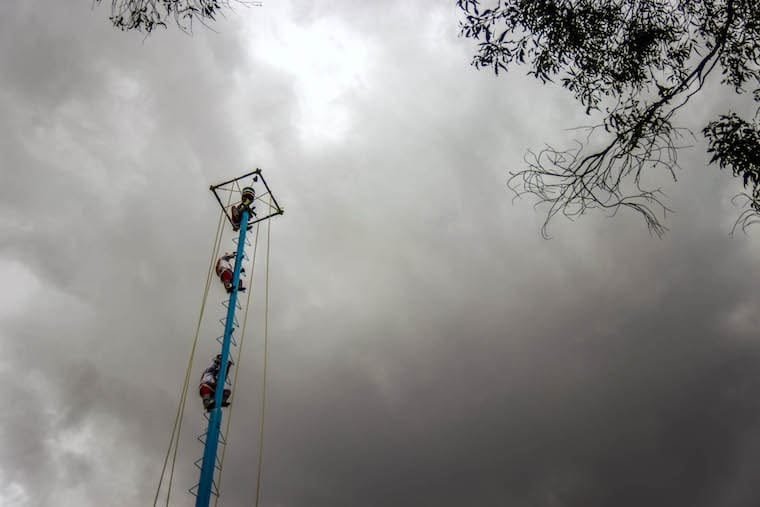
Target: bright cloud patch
327,63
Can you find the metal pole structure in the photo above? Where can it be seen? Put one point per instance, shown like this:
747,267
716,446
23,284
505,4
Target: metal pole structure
205,484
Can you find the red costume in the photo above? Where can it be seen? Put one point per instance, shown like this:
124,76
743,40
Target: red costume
207,389
224,271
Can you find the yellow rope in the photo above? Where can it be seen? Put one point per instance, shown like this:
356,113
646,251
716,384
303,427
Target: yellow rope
174,440
264,373
239,355
187,375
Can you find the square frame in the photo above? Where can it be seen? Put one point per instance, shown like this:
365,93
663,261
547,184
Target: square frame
233,188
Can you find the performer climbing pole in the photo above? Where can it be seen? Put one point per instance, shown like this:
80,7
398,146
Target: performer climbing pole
249,200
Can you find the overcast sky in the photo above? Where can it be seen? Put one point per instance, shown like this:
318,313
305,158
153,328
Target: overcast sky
427,346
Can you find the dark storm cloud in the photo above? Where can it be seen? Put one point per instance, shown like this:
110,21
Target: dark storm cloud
539,409
427,347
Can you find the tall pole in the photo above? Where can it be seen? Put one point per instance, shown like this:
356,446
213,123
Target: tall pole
215,420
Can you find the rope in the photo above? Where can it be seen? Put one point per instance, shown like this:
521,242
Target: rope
238,359
264,374
187,374
174,439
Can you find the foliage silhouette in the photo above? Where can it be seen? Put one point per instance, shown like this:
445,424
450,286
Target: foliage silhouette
635,64
147,15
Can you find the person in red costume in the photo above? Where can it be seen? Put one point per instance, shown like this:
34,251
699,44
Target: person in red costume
207,389
224,271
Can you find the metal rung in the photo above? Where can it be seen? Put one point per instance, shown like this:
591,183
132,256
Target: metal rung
199,463
202,438
233,341
220,340
236,240
214,490
226,304
235,323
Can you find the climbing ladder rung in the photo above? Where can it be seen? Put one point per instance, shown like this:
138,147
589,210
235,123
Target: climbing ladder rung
233,341
235,323
214,491
199,463
226,304
236,241
202,437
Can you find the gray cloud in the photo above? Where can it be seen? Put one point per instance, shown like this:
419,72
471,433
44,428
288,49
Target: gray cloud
427,347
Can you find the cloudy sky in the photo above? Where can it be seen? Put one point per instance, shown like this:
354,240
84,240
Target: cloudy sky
427,346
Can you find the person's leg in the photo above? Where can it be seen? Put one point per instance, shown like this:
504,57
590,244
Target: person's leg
226,277
207,395
225,396
235,215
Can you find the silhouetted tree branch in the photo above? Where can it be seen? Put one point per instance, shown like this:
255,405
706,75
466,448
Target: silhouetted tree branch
635,63
146,15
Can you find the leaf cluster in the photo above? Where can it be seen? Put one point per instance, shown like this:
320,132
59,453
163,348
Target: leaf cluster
635,64
735,144
146,15
596,49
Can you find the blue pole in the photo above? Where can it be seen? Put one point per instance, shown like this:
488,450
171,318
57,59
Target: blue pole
215,421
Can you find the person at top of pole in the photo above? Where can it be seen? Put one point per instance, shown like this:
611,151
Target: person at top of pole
224,271
207,388
236,212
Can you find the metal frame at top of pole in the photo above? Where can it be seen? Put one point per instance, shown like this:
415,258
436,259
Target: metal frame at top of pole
274,207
